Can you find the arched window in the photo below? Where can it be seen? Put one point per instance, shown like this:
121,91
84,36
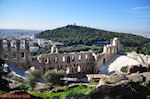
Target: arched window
79,69
47,60
79,57
63,60
86,56
73,58
4,43
56,59
68,59
22,54
13,44
104,61
22,44
6,56
13,55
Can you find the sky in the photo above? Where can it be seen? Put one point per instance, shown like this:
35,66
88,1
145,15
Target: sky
113,15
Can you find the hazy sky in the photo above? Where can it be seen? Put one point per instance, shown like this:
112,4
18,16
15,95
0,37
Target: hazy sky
116,15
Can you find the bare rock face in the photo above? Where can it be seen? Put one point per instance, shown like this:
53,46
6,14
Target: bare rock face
143,59
113,91
147,77
137,68
121,86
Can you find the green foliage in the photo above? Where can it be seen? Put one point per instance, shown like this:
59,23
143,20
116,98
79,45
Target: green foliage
22,87
19,79
76,92
33,78
107,82
53,77
124,69
4,84
1,92
35,44
78,48
74,35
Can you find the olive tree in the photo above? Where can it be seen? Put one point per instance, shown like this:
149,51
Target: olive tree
53,77
124,69
33,78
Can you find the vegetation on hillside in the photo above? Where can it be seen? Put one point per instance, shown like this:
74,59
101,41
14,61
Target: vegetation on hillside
33,78
4,83
53,77
74,35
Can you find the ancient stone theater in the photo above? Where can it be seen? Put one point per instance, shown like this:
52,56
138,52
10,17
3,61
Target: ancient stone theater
16,52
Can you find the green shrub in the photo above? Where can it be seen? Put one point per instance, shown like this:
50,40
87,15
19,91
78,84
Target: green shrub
22,87
107,82
53,77
124,69
33,78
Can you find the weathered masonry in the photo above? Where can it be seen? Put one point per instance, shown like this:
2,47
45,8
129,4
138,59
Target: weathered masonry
16,52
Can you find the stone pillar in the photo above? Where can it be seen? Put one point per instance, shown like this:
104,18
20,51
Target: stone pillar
27,51
18,49
9,45
53,49
67,70
57,51
18,44
105,49
9,49
79,69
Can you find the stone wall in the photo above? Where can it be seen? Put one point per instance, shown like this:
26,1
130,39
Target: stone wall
17,53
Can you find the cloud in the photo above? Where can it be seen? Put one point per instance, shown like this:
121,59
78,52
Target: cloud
141,8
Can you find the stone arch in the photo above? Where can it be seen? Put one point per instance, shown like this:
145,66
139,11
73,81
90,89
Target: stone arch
22,43
79,68
47,60
72,58
63,59
6,56
104,61
79,57
13,43
56,59
86,56
68,59
13,55
5,44
22,54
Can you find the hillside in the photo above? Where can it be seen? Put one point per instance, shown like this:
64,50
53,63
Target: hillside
74,35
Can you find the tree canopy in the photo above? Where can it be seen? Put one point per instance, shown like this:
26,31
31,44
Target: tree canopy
74,35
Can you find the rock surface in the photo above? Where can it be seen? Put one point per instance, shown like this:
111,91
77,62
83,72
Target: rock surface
121,86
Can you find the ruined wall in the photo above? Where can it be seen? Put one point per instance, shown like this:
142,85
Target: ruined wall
70,62
109,51
17,53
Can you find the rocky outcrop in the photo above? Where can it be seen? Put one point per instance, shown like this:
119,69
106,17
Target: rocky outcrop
137,68
143,59
122,86
115,91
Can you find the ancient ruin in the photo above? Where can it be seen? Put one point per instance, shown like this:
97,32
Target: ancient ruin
16,52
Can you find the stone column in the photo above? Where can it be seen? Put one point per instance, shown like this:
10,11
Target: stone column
52,49
27,51
57,51
18,49
9,45
9,49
